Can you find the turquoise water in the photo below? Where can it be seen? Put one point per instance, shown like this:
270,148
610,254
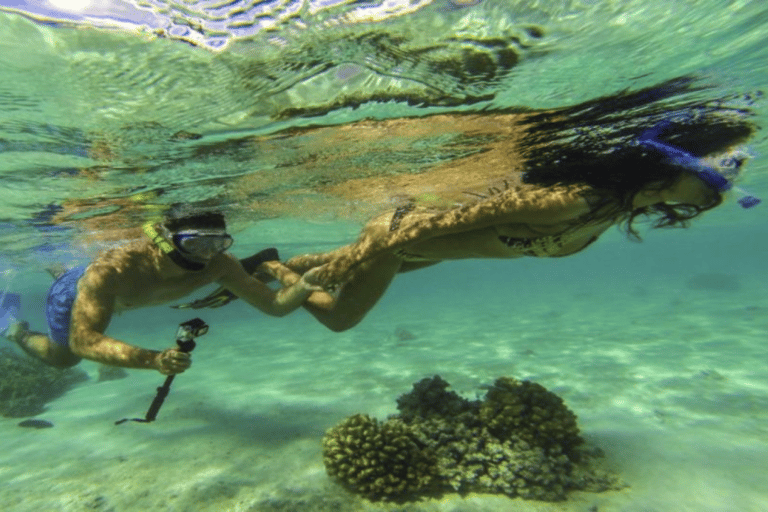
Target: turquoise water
658,347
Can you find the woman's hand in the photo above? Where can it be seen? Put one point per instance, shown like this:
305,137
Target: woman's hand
315,279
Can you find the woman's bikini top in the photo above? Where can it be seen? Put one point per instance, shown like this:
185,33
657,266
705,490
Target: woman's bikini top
545,246
549,246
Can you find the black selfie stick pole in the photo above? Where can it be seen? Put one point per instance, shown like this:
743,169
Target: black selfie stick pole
185,338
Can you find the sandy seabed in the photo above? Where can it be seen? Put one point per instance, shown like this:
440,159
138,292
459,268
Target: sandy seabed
667,377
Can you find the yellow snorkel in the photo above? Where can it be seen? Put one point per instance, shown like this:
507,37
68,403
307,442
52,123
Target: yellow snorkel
157,238
168,248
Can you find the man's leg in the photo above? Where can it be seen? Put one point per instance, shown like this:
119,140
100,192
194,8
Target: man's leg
40,346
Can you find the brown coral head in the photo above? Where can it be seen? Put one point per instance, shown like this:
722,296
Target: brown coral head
430,398
377,460
530,412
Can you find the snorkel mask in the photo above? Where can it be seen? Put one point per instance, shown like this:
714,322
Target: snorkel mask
202,244
188,248
719,179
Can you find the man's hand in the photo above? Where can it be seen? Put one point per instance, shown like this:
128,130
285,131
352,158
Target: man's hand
172,361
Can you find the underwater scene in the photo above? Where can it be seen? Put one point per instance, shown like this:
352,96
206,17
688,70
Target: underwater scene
494,255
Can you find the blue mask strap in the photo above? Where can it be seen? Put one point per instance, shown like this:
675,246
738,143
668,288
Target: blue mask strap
678,156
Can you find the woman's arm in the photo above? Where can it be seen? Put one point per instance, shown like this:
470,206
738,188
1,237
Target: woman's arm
535,206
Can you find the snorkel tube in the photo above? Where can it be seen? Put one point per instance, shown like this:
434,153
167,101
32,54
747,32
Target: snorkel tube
168,248
707,173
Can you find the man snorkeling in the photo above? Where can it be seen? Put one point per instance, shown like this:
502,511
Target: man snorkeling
176,257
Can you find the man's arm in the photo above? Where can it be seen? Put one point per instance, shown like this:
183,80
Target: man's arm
291,296
91,314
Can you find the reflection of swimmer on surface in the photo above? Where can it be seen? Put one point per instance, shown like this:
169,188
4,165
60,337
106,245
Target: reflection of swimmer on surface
554,182
178,256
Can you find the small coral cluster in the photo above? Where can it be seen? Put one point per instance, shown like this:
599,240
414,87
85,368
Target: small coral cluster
520,440
377,459
26,384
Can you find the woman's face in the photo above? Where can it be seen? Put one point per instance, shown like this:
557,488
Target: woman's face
689,189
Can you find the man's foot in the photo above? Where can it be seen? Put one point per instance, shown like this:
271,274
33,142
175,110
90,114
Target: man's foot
16,331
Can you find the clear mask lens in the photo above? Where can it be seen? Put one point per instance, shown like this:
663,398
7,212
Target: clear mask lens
202,244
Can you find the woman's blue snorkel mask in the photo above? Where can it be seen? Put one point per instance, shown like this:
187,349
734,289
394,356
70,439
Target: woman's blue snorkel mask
717,179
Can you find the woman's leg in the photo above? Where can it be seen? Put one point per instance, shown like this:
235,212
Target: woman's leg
358,296
304,262
375,228
336,270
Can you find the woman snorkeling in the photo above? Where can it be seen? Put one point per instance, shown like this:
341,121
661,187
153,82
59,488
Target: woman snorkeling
546,184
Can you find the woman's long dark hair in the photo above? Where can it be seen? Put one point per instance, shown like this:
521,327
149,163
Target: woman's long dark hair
596,144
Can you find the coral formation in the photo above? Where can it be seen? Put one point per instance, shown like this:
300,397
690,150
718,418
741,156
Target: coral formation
403,334
430,398
520,440
377,459
26,384
528,411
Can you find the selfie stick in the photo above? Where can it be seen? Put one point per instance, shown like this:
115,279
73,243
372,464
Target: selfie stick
185,339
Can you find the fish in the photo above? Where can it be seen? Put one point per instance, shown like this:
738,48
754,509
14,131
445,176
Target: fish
32,423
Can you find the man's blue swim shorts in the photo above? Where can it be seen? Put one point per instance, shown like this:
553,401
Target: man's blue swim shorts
58,304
